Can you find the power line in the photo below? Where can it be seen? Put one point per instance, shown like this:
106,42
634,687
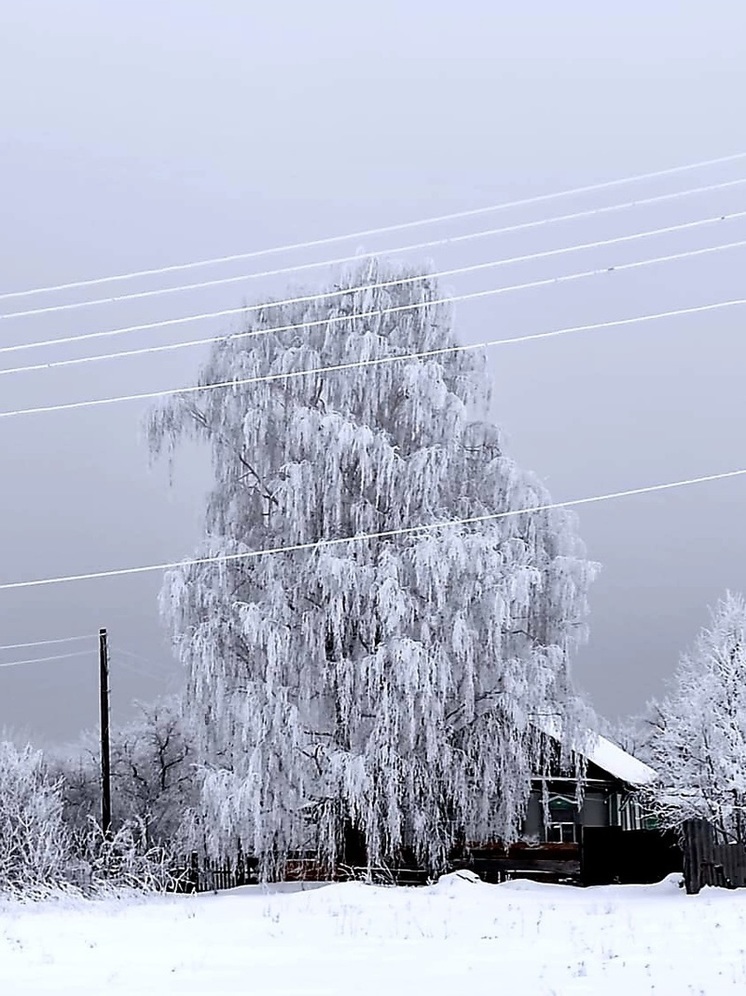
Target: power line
150,671
364,233
380,361
44,660
380,534
135,669
47,643
419,355
239,382
243,277
309,298
135,657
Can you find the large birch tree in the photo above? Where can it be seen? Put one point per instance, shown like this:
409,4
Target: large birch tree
392,685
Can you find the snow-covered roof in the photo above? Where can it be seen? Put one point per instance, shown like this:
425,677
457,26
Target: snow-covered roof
619,763
605,754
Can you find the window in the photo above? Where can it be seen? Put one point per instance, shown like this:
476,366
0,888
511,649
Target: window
563,815
561,833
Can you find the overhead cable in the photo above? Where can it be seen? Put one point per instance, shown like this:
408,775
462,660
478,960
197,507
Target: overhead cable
120,656
322,295
44,660
382,360
360,256
242,381
46,643
320,544
383,230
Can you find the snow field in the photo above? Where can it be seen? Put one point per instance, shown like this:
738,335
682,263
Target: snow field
457,936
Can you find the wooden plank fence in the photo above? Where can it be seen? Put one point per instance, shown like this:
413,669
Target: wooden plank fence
710,861
210,876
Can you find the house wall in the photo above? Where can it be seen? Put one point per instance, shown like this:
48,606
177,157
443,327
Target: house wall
596,810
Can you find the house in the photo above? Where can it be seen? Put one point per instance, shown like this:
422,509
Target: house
589,834
612,780
585,833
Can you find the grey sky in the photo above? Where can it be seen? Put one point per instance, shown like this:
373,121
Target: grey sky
141,134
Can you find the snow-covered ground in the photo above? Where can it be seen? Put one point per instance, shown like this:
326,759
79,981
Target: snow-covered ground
458,936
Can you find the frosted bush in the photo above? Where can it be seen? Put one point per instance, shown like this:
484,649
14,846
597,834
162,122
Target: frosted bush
35,843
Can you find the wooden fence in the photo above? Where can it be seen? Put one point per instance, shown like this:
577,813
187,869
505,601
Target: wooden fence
495,862
209,876
710,861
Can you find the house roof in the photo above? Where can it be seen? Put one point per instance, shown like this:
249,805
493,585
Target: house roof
607,755
619,763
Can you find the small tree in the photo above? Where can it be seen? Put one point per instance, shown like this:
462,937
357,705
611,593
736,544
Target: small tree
698,745
152,775
152,770
35,843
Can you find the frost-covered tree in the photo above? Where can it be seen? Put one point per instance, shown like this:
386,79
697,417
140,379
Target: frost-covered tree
152,774
631,733
698,745
152,771
389,686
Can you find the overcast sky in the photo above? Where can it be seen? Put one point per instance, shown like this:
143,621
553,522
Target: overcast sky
141,134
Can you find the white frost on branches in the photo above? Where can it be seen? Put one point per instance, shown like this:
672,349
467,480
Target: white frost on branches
35,843
152,775
388,685
698,746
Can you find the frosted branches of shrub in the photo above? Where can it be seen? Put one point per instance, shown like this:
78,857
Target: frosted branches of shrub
123,859
35,843
389,685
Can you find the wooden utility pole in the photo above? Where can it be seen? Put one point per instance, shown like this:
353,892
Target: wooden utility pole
103,656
